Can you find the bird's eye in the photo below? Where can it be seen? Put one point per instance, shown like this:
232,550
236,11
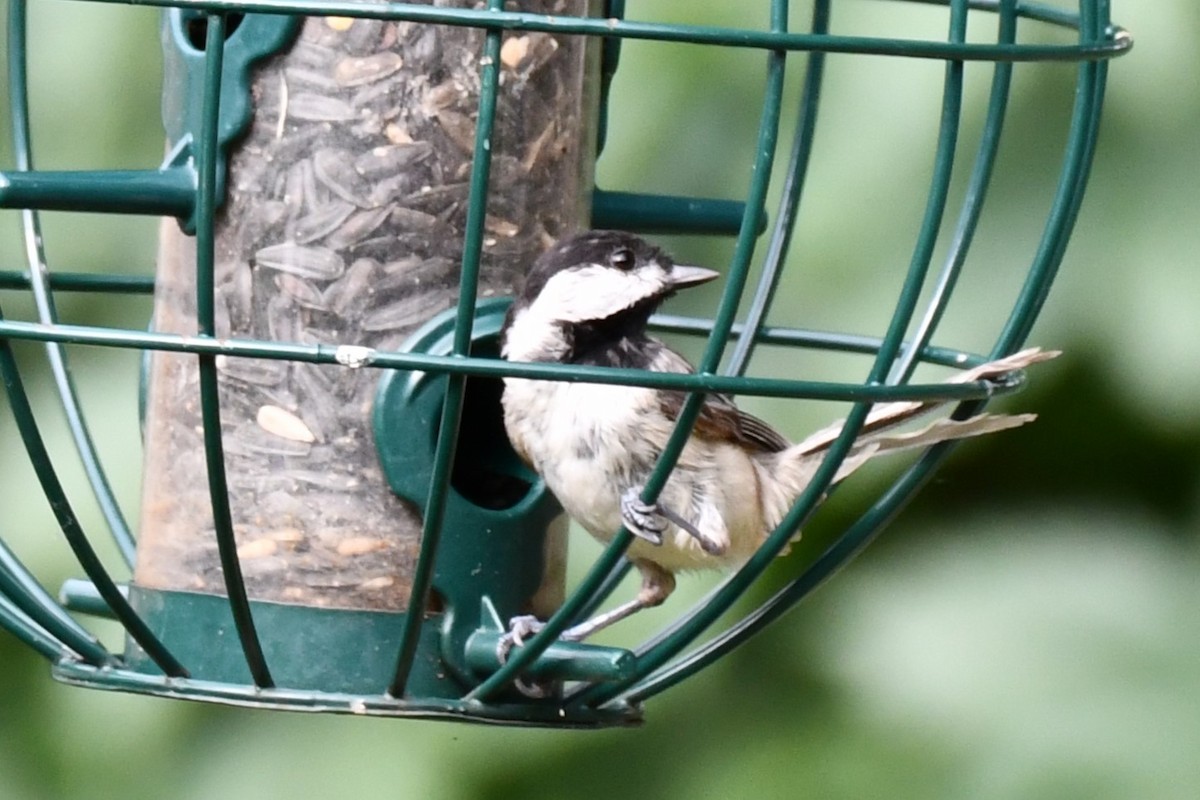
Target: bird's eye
622,258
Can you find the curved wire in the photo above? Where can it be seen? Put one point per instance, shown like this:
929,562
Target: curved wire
19,585
872,522
709,362
727,594
43,299
452,405
692,34
1094,25
14,620
1081,149
793,188
981,176
52,488
210,400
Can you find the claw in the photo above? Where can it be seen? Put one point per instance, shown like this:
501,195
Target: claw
642,519
649,521
518,629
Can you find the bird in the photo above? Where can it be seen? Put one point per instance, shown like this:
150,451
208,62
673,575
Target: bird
588,300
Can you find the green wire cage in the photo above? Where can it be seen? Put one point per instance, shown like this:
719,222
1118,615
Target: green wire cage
332,517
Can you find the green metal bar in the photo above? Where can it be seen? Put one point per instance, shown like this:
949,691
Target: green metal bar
804,337
1075,169
81,596
785,218
17,584
610,57
496,368
691,34
871,524
843,550
167,191
81,282
749,333
665,214
701,618
27,632
52,489
35,256
210,400
447,443
981,177
1068,197
570,661
709,361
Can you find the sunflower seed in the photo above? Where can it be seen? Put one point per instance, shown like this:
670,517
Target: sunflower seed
305,261
319,108
359,70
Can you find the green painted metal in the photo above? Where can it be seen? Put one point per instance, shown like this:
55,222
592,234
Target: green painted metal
35,257
249,696
750,335
653,213
184,111
92,283
78,541
441,661
696,34
28,598
491,367
452,401
210,402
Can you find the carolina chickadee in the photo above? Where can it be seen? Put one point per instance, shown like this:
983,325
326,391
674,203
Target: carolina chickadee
587,300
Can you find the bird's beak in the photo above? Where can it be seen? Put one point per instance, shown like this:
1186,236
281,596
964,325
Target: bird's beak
683,275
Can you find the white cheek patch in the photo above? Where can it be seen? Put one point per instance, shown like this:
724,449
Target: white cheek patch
595,292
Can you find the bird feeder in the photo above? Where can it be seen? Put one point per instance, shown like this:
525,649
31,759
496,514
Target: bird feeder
332,517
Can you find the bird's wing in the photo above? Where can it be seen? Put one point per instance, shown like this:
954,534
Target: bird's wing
719,419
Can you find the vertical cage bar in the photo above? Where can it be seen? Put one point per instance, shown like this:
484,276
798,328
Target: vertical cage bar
981,177
28,632
723,323
793,188
658,655
1085,122
27,594
210,401
35,256
447,443
39,457
858,536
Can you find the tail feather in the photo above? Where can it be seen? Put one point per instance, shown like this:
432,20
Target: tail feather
887,415
784,475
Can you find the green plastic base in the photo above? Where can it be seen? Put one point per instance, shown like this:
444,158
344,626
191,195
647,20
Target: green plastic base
322,659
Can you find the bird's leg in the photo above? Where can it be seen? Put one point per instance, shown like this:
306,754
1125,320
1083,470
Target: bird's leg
657,585
649,521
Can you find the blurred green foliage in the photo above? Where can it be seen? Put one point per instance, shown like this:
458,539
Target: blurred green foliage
1028,628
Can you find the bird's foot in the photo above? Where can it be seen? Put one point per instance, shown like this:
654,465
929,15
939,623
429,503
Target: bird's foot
642,519
519,628
649,521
